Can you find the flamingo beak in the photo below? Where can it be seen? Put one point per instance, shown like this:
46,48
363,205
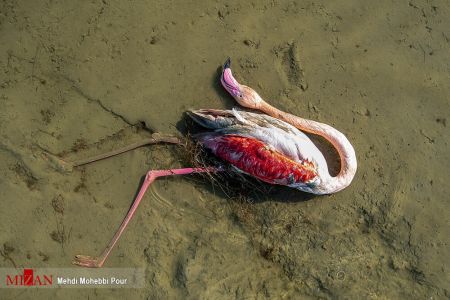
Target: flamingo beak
228,81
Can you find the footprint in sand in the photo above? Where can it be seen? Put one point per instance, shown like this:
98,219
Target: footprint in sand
288,65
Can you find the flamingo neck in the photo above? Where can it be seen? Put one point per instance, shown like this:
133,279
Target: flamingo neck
336,138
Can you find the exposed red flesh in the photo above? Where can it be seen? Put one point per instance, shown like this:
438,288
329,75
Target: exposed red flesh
255,158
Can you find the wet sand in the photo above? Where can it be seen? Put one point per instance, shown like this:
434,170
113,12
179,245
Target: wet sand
77,77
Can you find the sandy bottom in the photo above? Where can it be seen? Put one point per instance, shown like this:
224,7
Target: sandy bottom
77,77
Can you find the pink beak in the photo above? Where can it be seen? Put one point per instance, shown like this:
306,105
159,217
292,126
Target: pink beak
228,81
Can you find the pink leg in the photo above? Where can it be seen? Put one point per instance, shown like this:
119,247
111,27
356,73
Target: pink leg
97,262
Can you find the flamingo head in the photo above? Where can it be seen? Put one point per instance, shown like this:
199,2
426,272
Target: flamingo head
244,95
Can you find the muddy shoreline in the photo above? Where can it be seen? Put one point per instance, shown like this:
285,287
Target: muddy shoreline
77,78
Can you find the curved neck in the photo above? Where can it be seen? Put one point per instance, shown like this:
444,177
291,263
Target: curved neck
335,137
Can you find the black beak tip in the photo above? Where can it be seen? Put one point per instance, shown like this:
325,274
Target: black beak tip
227,64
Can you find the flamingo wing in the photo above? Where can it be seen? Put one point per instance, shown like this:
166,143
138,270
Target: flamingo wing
251,156
274,133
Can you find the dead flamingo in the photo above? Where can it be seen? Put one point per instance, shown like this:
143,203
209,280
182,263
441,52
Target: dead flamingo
267,146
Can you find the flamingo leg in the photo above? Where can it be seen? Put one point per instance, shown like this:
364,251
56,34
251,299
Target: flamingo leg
97,262
67,166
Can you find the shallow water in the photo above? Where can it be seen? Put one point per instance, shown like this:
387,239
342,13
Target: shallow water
73,74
